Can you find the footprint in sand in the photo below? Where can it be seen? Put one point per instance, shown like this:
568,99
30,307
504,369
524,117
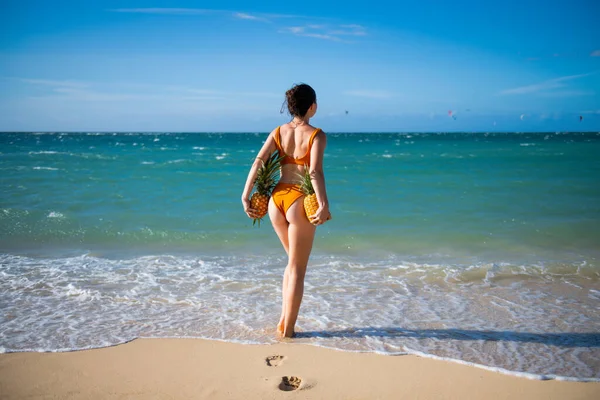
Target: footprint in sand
274,361
289,383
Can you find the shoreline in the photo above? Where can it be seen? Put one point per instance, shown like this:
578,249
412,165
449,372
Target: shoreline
499,370
201,368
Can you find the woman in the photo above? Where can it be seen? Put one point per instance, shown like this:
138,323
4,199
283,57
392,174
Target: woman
300,144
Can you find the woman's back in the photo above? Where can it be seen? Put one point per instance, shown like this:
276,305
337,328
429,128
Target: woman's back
295,143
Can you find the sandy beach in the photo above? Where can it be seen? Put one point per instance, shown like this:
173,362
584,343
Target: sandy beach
205,369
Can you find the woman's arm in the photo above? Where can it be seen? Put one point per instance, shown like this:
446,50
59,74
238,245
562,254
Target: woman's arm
317,178
263,155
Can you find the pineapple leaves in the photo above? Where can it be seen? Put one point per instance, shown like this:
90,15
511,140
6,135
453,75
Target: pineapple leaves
266,179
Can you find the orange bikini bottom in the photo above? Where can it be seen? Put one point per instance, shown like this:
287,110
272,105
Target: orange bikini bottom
286,194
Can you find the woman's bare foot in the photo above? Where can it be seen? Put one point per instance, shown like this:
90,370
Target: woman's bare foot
288,334
280,327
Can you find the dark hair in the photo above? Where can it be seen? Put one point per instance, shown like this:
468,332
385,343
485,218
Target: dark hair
299,99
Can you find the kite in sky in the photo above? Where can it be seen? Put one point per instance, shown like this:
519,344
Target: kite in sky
451,114
580,118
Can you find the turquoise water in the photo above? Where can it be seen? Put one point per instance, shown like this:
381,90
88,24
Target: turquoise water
484,195
453,234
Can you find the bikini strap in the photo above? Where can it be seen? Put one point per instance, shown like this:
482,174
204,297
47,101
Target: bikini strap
312,138
277,138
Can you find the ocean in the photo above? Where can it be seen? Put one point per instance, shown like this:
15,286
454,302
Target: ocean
480,248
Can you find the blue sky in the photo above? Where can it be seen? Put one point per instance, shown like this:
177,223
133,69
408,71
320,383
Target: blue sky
225,65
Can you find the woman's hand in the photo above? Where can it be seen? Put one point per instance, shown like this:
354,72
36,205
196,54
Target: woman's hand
251,212
321,216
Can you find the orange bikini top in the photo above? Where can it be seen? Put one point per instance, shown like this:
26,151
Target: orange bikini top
291,160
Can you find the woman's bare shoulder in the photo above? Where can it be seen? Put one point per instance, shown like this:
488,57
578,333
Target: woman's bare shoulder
320,134
286,126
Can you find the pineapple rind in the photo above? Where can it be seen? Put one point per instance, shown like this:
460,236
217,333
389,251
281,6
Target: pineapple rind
310,199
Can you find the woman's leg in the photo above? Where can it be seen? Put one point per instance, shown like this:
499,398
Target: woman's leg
301,234
280,225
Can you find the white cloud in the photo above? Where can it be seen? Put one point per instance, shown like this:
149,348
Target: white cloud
326,32
314,30
595,53
321,36
166,11
372,94
241,15
351,30
352,26
244,16
297,30
88,91
346,33
81,96
90,95
204,11
49,82
548,85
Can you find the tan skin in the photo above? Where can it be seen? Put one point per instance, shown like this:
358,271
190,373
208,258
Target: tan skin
295,231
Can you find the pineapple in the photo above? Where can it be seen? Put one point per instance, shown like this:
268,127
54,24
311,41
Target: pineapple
310,199
266,179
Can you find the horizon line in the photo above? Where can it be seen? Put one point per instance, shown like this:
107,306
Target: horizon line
266,132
